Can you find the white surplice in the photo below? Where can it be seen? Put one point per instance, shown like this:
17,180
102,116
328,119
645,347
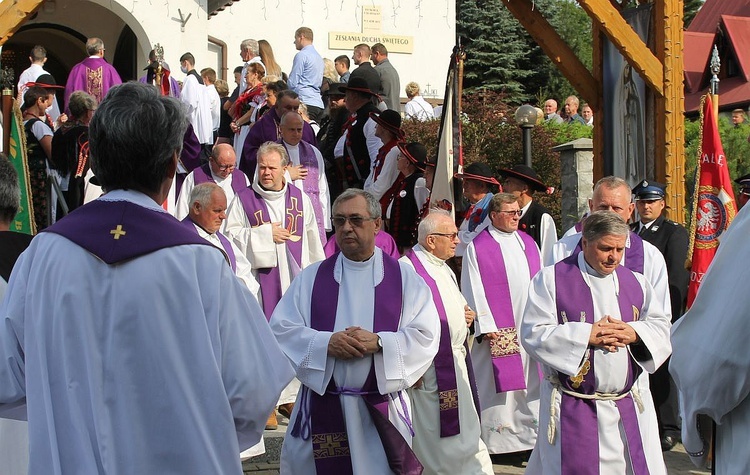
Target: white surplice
465,236
406,355
509,419
195,96
561,348
464,453
547,233
161,363
182,207
710,361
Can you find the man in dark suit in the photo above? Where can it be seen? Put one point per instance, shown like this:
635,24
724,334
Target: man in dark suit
672,240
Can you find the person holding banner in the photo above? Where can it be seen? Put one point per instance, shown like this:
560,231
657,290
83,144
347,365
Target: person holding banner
497,268
595,326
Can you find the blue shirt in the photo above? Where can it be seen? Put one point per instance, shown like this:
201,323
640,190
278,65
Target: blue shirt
307,76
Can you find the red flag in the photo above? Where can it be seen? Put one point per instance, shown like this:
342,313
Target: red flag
713,205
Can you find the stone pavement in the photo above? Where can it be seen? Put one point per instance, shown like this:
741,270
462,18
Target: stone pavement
678,463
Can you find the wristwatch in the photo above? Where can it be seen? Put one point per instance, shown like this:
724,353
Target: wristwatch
380,343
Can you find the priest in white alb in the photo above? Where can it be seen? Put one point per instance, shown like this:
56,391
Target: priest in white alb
221,170
359,328
497,268
447,437
595,326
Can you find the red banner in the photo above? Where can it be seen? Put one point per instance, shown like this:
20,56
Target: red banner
714,206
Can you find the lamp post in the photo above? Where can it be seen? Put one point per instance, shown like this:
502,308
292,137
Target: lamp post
526,117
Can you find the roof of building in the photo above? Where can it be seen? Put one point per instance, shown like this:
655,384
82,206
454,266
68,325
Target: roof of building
708,17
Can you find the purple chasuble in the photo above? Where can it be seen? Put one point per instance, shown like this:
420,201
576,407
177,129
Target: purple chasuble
383,241
115,231
309,160
633,254
230,257
325,419
505,350
257,214
445,370
92,75
579,433
203,174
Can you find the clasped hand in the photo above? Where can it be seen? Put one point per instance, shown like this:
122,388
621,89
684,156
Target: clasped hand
353,342
611,334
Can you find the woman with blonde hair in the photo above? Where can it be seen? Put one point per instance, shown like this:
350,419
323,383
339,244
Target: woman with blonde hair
268,59
417,108
330,76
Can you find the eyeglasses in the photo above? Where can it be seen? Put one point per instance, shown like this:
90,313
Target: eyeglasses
357,221
451,236
512,212
224,168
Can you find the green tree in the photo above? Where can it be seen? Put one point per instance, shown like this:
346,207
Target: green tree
690,8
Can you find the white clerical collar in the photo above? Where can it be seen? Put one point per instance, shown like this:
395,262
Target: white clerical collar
134,197
269,194
290,146
590,273
375,263
219,180
503,235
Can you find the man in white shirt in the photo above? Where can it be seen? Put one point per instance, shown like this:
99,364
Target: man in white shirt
37,56
209,78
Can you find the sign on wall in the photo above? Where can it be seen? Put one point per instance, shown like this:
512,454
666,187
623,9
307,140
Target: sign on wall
372,32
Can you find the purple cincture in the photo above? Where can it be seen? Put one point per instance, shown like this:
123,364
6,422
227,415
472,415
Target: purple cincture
507,367
579,433
115,231
257,214
327,427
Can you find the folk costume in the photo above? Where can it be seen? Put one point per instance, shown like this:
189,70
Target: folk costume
477,216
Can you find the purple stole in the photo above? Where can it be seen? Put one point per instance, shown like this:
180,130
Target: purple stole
383,241
115,231
308,160
633,254
445,370
231,258
579,433
327,426
202,174
257,214
505,350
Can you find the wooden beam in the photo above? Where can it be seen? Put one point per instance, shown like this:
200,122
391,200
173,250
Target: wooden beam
670,107
600,113
556,49
13,15
627,41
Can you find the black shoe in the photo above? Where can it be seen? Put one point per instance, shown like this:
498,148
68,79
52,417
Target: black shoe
667,443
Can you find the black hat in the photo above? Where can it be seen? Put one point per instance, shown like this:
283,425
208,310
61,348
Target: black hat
335,89
649,190
743,181
478,171
389,120
526,174
415,152
358,84
46,81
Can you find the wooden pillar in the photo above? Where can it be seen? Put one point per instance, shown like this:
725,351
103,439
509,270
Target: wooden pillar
7,108
670,123
599,115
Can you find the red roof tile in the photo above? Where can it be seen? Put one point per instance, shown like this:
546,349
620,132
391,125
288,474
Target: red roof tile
697,47
738,30
708,17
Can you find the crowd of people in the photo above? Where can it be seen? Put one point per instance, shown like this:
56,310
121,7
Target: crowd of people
233,263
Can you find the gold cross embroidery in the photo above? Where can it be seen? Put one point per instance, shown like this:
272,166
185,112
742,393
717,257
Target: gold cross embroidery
578,379
117,232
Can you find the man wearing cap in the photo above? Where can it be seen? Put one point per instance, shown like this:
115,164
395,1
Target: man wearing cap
536,220
447,435
307,170
478,185
672,241
744,194
221,170
364,69
306,75
384,169
360,328
266,129
496,270
357,149
594,326
93,75
404,205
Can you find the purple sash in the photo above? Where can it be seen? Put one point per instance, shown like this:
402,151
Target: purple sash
328,427
202,174
257,214
445,369
579,434
115,231
309,160
633,254
230,257
505,350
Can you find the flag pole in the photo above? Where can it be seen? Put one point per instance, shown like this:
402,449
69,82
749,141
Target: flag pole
714,88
